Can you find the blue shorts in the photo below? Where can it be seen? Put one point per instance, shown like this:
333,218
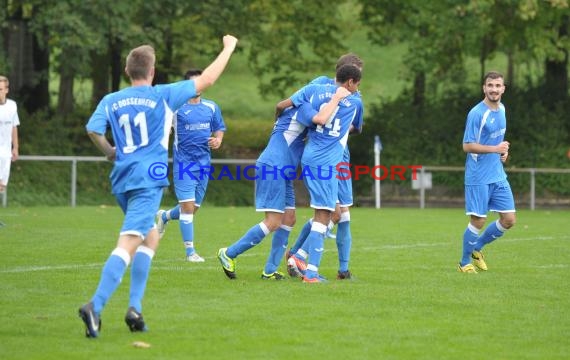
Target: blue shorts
273,193
139,207
323,192
190,189
497,197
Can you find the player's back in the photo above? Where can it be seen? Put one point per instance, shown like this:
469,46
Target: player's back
327,142
286,143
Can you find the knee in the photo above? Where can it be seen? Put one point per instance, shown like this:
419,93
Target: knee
508,222
272,224
289,219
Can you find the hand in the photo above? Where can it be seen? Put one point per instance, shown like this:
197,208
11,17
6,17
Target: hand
112,155
504,157
342,92
230,42
214,142
503,147
14,155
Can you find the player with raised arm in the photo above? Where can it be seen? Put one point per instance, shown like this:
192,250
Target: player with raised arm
140,120
198,127
486,185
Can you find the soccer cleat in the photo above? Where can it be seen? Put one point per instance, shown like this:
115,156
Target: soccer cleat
91,319
314,280
134,320
160,224
479,260
344,275
228,264
296,267
329,234
195,258
469,268
275,276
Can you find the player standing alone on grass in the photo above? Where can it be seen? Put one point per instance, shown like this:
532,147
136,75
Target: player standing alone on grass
486,185
198,127
9,122
140,119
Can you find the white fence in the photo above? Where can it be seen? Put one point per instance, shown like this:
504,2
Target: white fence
73,160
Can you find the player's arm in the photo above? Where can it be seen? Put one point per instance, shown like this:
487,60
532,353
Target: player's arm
282,105
15,144
475,148
326,111
102,144
216,68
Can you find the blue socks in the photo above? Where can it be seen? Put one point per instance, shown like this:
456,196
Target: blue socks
302,236
315,241
251,238
139,276
111,276
343,241
278,248
491,233
186,224
469,241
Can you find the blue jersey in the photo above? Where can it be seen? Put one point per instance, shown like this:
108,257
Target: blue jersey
326,143
140,118
486,127
193,126
286,143
357,123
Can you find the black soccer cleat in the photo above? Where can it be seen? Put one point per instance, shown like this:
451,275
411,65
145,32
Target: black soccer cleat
344,275
91,319
134,320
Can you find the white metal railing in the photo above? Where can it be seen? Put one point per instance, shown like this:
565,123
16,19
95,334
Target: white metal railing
73,160
531,171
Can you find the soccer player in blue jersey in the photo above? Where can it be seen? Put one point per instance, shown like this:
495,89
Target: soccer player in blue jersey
274,195
341,216
140,119
334,108
198,127
486,185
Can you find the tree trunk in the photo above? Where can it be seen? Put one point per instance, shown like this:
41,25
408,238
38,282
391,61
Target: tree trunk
65,100
419,89
556,71
99,76
117,67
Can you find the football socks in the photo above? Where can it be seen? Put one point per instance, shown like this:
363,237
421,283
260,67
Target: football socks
139,276
470,237
111,276
251,238
278,247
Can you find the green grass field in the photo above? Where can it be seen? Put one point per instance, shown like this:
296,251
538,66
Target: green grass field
408,301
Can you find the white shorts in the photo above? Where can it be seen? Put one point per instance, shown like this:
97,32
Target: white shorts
5,163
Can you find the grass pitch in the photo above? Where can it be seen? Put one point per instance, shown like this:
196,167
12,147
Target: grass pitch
408,301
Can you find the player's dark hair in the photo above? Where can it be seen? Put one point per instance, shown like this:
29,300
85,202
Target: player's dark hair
192,73
347,72
492,75
349,59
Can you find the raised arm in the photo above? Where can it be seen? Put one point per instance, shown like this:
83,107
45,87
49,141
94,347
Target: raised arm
216,68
